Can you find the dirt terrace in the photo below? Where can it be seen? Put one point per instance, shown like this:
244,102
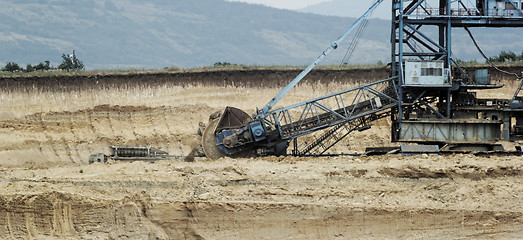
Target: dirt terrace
419,197
49,127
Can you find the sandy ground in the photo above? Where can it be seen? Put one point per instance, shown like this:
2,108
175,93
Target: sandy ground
49,191
418,197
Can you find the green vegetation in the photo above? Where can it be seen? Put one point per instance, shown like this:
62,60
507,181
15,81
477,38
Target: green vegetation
224,64
232,67
507,57
71,66
503,59
12,67
45,66
69,63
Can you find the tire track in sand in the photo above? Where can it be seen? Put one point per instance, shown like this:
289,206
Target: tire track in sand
175,139
75,137
110,123
99,141
91,125
168,127
157,136
139,121
96,121
82,129
50,140
128,125
67,149
60,145
132,121
29,122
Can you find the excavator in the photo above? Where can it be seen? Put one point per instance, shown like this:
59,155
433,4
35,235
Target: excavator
430,101
425,100
269,132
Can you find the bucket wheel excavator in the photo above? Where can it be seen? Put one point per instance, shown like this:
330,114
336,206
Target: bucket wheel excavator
425,98
269,132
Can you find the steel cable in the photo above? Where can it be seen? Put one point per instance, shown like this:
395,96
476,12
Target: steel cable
356,39
487,59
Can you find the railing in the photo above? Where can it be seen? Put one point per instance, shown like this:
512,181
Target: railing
420,11
322,142
313,115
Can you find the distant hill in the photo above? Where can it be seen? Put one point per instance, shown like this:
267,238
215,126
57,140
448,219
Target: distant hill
187,33
344,8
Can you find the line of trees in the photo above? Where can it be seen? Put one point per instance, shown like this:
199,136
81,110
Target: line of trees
72,63
507,57
69,63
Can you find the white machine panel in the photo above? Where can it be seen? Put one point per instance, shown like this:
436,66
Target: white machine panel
425,73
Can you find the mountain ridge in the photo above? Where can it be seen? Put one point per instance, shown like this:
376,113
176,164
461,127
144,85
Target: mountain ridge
131,34
343,8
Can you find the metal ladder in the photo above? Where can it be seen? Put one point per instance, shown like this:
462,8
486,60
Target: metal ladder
340,113
332,136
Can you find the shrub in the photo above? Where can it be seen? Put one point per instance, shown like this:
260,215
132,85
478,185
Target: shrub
506,57
12,67
43,66
71,63
223,64
29,68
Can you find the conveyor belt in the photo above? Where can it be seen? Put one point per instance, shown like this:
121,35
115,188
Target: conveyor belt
335,109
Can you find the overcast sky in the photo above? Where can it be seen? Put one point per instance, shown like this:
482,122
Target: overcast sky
357,8
285,4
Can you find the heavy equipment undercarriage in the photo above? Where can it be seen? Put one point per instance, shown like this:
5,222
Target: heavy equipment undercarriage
131,154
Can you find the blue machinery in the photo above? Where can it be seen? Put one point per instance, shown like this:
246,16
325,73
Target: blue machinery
428,96
426,69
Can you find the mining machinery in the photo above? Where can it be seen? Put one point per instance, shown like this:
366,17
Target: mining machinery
429,98
131,154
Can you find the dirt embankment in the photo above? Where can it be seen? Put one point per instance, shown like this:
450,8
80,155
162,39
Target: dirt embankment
418,197
45,139
62,120
215,78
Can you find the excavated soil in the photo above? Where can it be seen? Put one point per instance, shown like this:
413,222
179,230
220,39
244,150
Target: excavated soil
49,127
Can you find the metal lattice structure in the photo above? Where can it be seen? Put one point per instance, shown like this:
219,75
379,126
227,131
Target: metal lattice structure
422,32
327,111
428,96
340,113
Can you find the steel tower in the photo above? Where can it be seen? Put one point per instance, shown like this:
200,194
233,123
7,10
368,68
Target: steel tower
436,104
